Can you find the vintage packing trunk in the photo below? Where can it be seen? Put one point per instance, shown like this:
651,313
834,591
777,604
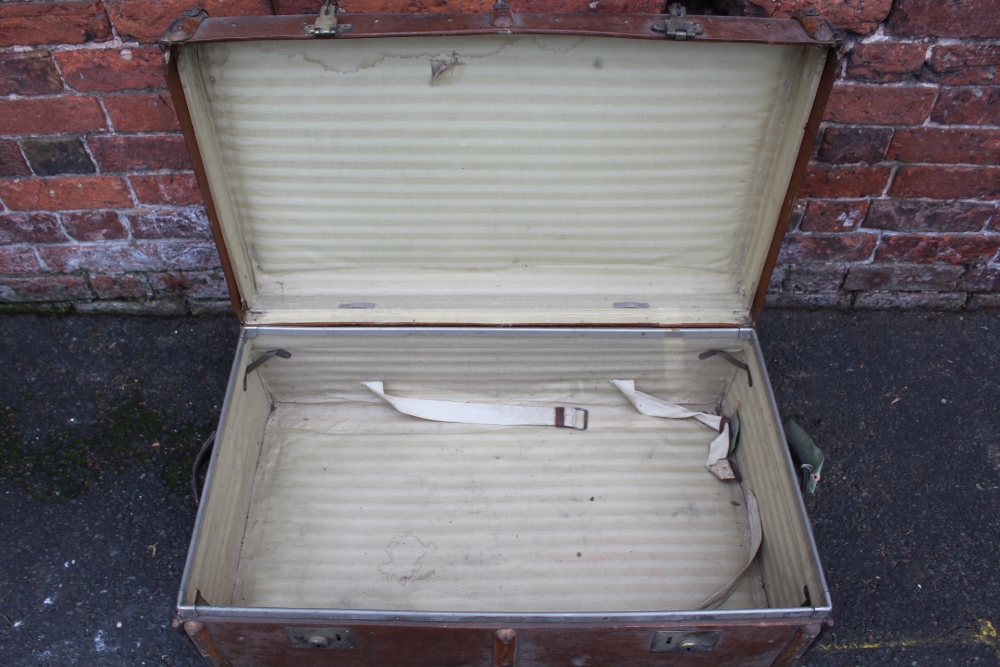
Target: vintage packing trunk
495,216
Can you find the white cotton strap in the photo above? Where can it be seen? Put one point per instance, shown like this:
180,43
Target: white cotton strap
483,413
652,406
756,537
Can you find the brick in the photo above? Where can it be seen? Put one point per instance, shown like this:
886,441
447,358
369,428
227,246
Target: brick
102,258
11,161
112,69
841,215
142,112
18,259
122,286
65,193
158,308
190,255
815,278
884,62
903,278
33,23
44,288
946,146
909,301
170,224
977,302
941,248
838,300
31,73
880,105
210,307
982,279
963,64
799,248
822,181
845,145
482,6
860,16
54,115
90,226
907,215
937,18
52,156
283,7
190,284
30,228
953,183
968,106
140,153
776,283
171,189
144,21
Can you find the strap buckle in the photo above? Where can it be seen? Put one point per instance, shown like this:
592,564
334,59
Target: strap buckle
574,418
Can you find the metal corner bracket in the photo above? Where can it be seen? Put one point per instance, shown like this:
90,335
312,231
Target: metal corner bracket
182,28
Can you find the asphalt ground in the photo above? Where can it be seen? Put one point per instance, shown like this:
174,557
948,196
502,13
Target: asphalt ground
100,418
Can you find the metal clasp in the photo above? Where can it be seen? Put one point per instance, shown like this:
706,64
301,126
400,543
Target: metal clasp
677,26
326,25
502,15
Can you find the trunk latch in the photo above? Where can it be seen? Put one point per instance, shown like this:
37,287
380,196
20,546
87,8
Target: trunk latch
677,26
685,641
322,638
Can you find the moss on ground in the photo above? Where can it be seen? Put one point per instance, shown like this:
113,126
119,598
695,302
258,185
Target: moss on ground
128,435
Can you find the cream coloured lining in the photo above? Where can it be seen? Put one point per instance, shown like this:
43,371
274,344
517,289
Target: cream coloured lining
362,507
386,477
542,179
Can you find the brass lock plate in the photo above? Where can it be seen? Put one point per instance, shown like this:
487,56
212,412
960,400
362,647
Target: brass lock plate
685,641
322,638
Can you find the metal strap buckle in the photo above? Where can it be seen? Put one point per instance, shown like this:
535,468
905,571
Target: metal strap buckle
574,418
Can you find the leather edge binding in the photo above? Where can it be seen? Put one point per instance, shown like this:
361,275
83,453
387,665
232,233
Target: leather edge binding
176,89
826,81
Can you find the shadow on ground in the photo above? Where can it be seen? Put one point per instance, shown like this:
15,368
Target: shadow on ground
101,416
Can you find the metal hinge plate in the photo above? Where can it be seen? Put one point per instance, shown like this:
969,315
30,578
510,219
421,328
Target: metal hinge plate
677,26
326,25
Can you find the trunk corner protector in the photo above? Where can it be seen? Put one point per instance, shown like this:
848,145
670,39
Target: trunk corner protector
182,28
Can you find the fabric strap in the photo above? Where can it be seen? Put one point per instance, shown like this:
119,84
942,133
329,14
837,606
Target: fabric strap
756,537
483,413
652,406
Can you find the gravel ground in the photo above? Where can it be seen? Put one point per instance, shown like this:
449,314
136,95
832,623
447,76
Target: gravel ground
101,416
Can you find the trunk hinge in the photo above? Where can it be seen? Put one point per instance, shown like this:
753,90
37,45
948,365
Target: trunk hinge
502,15
677,26
326,25
814,24
182,28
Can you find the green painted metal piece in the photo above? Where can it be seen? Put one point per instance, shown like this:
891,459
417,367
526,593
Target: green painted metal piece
810,456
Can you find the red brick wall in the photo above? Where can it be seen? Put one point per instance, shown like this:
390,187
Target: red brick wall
99,210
